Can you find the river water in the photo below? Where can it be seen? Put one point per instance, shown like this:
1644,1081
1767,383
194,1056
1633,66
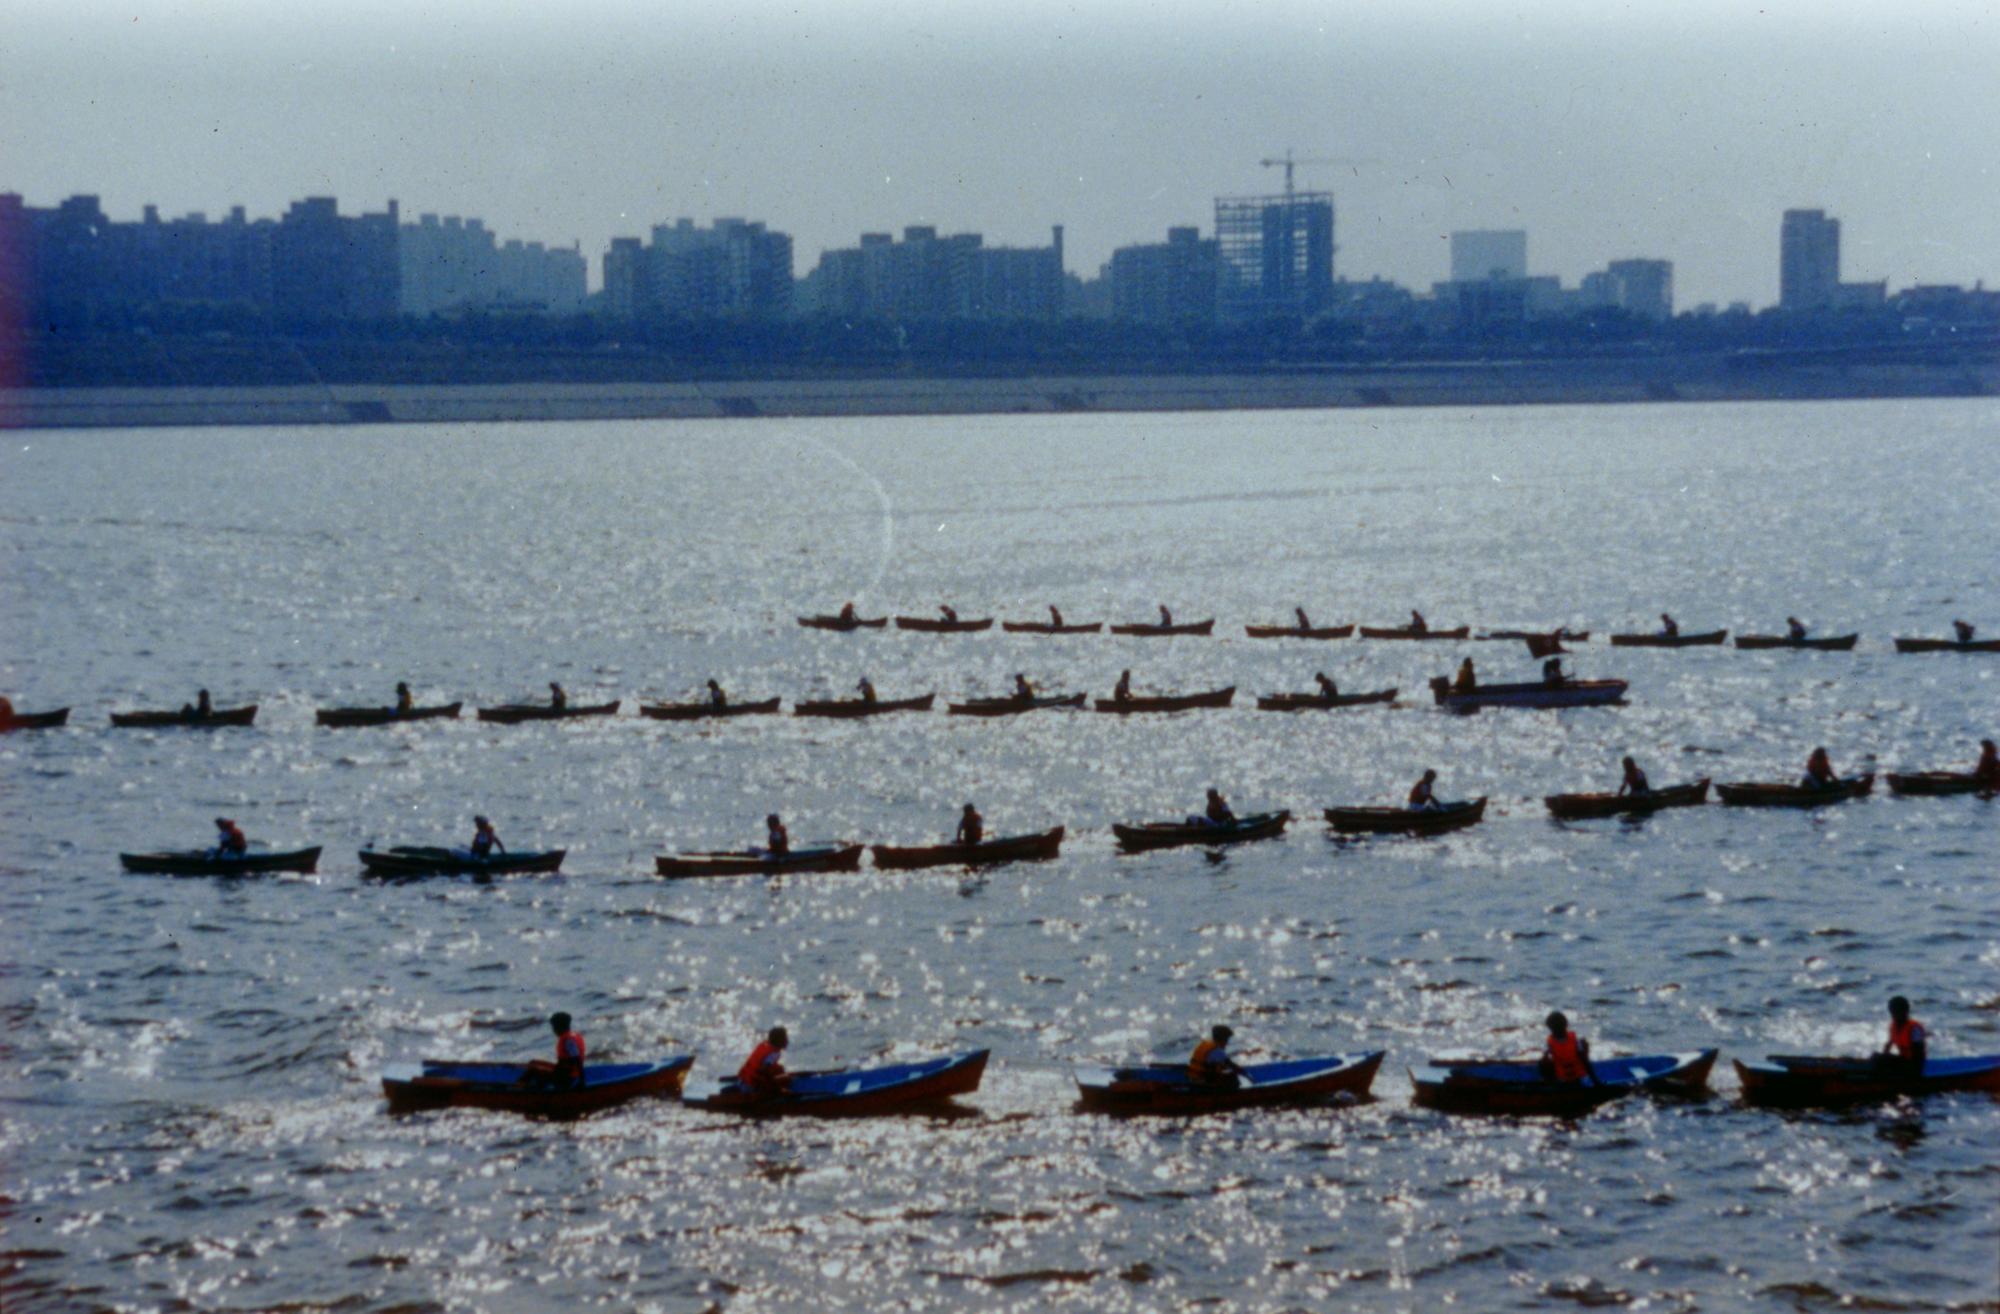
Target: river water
190,1115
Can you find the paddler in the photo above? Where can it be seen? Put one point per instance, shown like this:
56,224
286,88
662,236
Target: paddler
763,1073
1218,812
1669,627
1635,782
777,842
1122,693
1987,773
1055,617
971,826
567,1071
717,698
1326,684
1466,680
1166,617
405,704
1422,799
1210,1064
485,839
1963,629
1022,689
1795,629
1819,771
1300,613
1566,1055
230,842
557,698
1552,673
950,615
1908,1043
866,688
201,710
847,614
1418,625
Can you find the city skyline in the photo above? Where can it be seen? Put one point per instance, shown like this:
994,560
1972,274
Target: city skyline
1672,137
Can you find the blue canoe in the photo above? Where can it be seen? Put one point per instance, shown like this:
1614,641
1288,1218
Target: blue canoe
1167,1089
1800,1081
435,1084
855,1092
1505,1087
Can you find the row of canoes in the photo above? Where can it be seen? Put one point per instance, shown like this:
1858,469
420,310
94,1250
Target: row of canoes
1475,1086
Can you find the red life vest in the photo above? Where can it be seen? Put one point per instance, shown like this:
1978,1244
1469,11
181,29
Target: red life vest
1566,1056
752,1072
233,839
569,1050
1904,1037
1420,794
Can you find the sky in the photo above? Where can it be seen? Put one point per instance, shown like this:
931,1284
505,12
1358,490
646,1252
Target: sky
1678,129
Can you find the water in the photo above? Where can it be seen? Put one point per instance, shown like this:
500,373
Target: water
191,1117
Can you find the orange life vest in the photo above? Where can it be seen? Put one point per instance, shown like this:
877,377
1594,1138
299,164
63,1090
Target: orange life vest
1904,1037
1198,1063
1566,1056
751,1074
233,839
569,1051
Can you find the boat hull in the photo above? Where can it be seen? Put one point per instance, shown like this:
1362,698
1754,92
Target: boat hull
1798,1081
841,626
1573,807
1142,630
1014,848
339,717
515,713
1570,693
1706,639
856,1092
1175,703
1171,834
1165,1090
1371,632
161,720
198,863
1406,821
1295,632
436,1084
706,711
1940,782
1518,1090
850,708
34,720
1839,643
426,860
1755,794
839,857
1011,706
931,625
1947,645
1050,627
1536,636
1311,702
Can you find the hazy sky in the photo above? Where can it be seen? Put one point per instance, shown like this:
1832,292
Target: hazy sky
1677,129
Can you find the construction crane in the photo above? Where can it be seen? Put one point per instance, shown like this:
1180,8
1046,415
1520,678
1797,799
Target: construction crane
1290,162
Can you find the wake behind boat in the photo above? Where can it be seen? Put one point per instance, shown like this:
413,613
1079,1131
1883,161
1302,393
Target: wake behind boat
1167,1089
1520,1089
508,1087
853,1092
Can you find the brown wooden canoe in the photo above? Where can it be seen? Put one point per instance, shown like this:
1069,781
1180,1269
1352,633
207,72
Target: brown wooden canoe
1405,632
1838,643
1012,848
1408,821
1050,627
515,713
1940,782
1571,807
939,625
1313,702
836,857
1011,706
843,625
1947,645
1161,631
1295,632
354,716
220,716
1705,639
1754,794
1168,703
34,720
852,707
705,711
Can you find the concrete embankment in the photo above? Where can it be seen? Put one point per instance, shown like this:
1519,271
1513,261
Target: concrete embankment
1652,379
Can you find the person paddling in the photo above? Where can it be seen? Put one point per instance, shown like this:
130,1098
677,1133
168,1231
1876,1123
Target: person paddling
866,688
1669,627
557,698
1819,771
1022,689
950,616
1963,630
201,709
1218,812
847,614
1552,673
1466,680
1418,625
405,704
1795,629
1908,1043
1210,1064
1055,617
1987,773
1566,1055
1326,684
485,839
763,1073
971,826
566,1073
1122,693
1300,613
1422,798
717,698
230,841
1166,617
777,841
1635,781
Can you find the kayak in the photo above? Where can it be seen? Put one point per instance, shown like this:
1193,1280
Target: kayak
703,711
1405,632
203,862
1309,702
1947,645
939,625
1409,821
353,716
1298,632
843,624
1799,1081
442,1084
1168,702
1518,1088
1011,706
220,716
1050,627
1167,1089
830,857
1749,794
1539,694
1167,834
514,713
34,720
425,860
1840,643
854,1092
1541,636
1571,807
1940,782
1154,630
1706,639
851,707
1012,848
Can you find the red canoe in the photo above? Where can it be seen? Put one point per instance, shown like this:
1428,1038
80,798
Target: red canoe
855,1092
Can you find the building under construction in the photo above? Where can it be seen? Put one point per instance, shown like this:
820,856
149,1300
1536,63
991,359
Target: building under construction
1276,254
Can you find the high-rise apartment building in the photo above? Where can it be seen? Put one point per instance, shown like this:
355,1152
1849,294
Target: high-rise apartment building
1808,260
1481,254
1275,254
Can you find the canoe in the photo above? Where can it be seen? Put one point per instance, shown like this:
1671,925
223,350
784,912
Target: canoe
1706,639
200,862
1050,627
514,713
353,716
1947,645
1011,706
1545,636
1839,643
1309,702
1517,1088
1570,693
855,1092
1405,632
427,860
34,720
1748,794
836,623
1157,631
857,707
220,716
831,857
1168,702
1295,632
1408,821
1571,807
704,711
1160,1088
442,1084
1168,834
1799,1081
1940,782
1012,848
939,625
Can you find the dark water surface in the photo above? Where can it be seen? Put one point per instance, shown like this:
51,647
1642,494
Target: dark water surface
189,1112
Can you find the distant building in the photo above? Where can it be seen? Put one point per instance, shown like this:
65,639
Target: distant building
327,266
1643,288
1169,282
1488,253
1275,255
454,264
733,269
930,277
1808,260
